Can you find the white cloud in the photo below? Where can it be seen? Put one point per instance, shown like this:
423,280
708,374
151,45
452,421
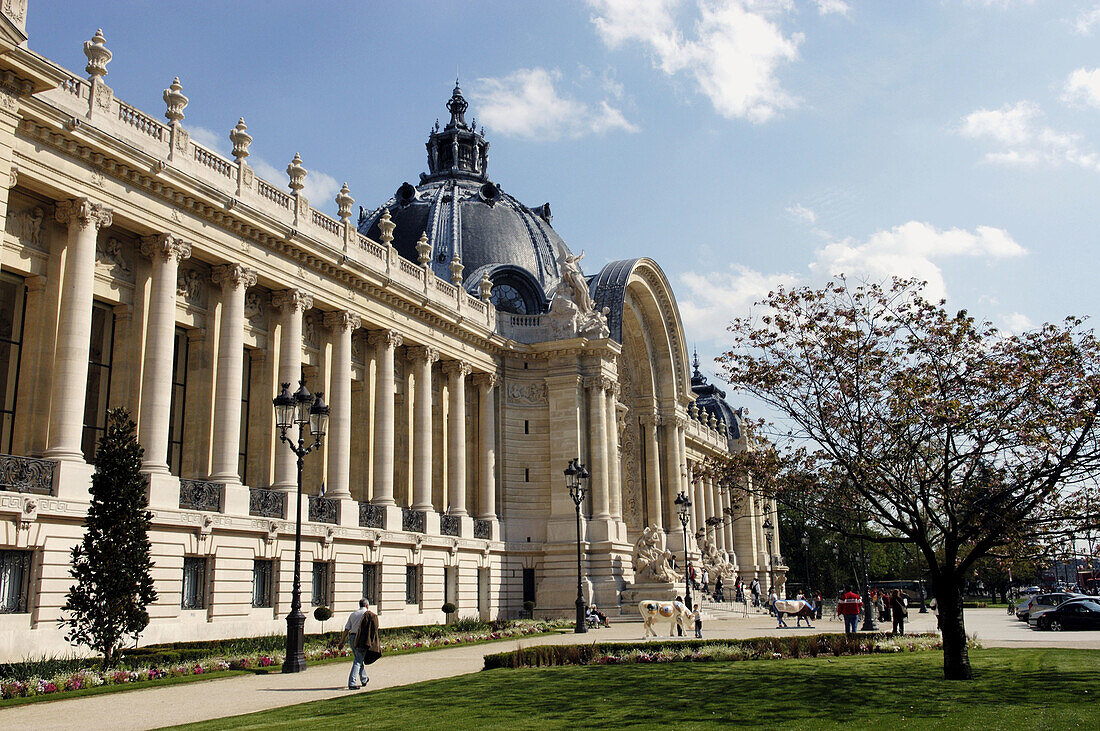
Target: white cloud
1083,87
211,139
320,188
912,250
1015,323
733,54
1021,139
801,213
710,300
1086,21
527,104
827,7
999,3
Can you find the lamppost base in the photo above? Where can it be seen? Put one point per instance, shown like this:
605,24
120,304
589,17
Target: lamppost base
295,661
581,627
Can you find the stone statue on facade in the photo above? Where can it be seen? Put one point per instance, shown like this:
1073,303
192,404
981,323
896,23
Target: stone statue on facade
717,560
573,311
652,560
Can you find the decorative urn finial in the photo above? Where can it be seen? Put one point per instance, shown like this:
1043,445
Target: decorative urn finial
457,106
456,271
297,174
386,227
98,56
343,202
176,101
485,287
423,250
241,140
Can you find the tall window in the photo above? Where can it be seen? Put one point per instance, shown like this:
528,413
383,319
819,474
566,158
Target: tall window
15,578
322,584
370,584
179,399
412,584
12,300
263,581
194,583
246,390
99,377
449,585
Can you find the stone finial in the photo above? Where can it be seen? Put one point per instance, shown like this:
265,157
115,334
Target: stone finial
297,173
386,227
98,56
423,250
343,202
456,271
241,140
693,410
485,287
176,101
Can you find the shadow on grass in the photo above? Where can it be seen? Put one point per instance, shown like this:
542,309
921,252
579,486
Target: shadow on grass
1011,687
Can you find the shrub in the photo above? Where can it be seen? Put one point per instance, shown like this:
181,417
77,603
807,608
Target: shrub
449,608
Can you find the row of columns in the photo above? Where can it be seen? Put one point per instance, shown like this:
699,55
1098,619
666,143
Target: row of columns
713,502
603,453
85,218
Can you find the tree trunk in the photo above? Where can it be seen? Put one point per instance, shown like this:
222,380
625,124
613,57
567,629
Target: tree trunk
949,601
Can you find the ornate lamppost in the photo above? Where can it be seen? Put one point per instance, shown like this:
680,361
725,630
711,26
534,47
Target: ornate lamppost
575,474
769,533
868,615
304,410
806,557
836,569
683,510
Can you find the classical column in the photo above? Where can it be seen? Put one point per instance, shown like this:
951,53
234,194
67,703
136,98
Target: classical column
673,482
166,252
716,497
342,324
486,438
293,303
727,528
597,454
681,451
386,341
235,281
614,484
650,423
422,357
699,500
456,372
708,494
70,361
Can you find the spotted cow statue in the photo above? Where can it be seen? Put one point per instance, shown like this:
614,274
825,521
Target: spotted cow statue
653,611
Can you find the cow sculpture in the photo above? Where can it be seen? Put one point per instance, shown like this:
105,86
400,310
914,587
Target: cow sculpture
676,613
799,608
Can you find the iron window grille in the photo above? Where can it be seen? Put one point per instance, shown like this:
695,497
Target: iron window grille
194,583
15,579
263,582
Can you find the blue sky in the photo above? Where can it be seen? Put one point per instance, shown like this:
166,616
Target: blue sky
740,143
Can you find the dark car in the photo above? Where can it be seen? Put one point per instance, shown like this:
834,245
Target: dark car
1074,614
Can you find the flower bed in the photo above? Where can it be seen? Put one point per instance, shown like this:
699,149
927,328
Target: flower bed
408,640
761,648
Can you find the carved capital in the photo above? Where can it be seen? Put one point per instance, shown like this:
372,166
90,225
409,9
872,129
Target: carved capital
386,338
680,421
233,276
421,353
456,368
83,213
166,246
489,381
650,419
342,321
292,300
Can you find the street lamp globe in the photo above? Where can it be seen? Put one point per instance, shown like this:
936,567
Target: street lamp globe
284,409
318,417
303,401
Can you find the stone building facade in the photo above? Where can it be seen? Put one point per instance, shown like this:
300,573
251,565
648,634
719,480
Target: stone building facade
465,356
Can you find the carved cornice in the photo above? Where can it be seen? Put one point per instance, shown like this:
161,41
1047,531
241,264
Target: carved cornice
167,246
342,321
422,353
83,213
233,276
386,338
650,419
292,300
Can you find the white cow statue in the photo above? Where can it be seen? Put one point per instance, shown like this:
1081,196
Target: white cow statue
799,608
675,612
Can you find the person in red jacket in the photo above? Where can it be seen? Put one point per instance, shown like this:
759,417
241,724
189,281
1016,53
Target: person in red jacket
849,606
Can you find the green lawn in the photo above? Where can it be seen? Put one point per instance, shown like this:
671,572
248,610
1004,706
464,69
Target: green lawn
1013,689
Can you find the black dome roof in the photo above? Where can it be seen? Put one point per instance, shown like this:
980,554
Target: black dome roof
466,215
711,399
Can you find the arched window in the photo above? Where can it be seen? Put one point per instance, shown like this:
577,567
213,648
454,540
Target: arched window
512,292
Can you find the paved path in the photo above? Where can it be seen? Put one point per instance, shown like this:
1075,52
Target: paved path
199,701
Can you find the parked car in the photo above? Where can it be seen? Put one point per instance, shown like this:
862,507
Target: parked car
1072,614
1022,608
1041,603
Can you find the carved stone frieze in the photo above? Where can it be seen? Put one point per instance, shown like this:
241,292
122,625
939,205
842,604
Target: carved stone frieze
26,226
527,393
110,257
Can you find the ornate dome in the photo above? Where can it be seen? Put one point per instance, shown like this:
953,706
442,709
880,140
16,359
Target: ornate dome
467,216
711,399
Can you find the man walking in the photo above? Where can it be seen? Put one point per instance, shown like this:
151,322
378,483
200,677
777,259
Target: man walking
362,627
849,607
754,589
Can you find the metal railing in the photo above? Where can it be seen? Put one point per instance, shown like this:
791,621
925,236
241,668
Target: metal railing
483,529
202,495
323,509
412,520
450,525
24,474
371,516
266,503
